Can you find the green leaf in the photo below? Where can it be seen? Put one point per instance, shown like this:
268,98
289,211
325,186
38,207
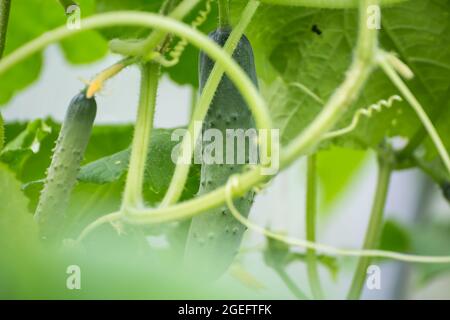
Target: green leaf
18,151
16,223
429,239
334,181
289,50
30,19
395,237
158,173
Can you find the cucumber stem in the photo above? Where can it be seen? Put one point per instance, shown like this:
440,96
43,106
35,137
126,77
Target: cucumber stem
144,124
224,13
311,213
375,224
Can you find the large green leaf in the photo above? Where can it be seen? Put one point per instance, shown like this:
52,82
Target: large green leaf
16,223
289,50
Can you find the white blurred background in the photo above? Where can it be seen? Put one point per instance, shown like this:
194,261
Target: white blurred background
281,206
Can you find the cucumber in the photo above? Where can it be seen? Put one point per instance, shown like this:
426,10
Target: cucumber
62,173
215,236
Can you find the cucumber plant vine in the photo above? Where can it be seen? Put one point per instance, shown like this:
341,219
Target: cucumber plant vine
156,52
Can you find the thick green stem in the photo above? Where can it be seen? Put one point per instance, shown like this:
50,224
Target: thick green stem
132,196
5,7
330,4
224,13
182,169
311,213
375,224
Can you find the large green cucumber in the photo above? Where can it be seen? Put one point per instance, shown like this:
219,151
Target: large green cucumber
215,236
62,173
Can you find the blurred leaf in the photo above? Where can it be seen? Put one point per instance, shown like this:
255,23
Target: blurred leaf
431,239
395,237
18,232
336,167
16,223
18,151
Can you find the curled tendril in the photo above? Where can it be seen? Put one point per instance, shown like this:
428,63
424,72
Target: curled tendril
366,112
233,184
176,53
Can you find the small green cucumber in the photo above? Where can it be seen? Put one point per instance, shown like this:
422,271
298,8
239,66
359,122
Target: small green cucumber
62,173
215,236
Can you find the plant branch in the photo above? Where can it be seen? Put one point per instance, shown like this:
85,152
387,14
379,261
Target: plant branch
311,213
132,196
182,170
5,8
375,224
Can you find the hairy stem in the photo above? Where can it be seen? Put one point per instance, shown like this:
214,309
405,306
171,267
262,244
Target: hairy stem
311,213
182,169
331,4
224,13
415,104
375,225
149,85
5,7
